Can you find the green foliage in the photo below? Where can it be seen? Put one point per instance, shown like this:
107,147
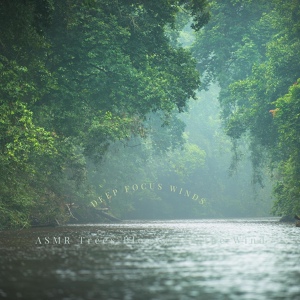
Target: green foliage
286,117
185,162
251,49
155,178
77,76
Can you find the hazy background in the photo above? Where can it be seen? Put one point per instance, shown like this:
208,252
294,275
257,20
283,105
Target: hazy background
202,164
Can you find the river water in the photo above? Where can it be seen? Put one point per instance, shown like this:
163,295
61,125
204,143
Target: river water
182,259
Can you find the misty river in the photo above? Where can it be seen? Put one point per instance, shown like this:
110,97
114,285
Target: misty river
182,259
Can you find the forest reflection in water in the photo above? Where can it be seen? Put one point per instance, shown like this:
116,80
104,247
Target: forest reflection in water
180,259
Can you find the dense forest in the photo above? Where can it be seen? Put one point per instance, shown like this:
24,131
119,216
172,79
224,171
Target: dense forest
98,109
251,48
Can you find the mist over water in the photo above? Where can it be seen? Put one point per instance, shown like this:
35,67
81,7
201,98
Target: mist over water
182,170
98,124
179,259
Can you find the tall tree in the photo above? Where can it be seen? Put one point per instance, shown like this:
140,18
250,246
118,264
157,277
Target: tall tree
75,76
255,66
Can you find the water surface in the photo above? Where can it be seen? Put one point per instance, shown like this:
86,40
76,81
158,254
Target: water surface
182,259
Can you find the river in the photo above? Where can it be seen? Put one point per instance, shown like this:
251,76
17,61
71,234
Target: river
180,259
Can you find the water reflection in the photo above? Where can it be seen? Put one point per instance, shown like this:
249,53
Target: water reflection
207,259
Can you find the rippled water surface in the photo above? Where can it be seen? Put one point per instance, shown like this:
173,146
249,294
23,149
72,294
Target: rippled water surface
186,259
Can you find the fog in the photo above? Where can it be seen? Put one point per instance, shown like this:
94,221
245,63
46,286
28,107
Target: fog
184,169
160,110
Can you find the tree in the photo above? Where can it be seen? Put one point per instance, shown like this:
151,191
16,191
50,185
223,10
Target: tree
286,117
77,76
256,66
